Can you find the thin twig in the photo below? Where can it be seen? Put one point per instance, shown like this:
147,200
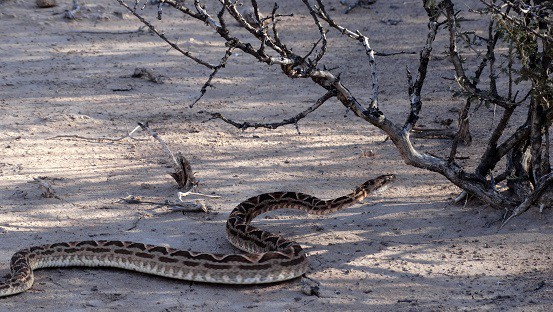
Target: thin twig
460,197
186,206
207,18
457,62
372,63
393,53
416,86
162,36
106,32
222,64
184,194
145,127
183,175
322,39
129,135
293,120
463,131
422,133
497,10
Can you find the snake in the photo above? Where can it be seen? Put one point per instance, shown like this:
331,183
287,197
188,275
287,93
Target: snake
268,257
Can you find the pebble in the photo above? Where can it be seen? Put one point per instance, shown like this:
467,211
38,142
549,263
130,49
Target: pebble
45,3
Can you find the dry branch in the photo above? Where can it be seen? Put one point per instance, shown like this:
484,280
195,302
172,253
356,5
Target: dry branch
422,133
222,64
183,175
293,120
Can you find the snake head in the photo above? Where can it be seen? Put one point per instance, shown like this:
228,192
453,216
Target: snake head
385,179
382,182
375,184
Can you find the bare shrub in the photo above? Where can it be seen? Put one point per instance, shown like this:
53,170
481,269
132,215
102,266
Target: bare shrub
514,71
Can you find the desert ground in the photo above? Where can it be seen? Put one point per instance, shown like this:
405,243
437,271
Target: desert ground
68,99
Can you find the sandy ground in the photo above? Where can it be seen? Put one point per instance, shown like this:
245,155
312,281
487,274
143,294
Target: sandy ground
406,249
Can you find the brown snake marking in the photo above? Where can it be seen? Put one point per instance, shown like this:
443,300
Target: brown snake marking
269,258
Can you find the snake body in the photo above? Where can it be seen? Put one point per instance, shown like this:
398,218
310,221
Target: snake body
269,257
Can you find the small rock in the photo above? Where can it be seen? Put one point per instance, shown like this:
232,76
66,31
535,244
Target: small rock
121,14
311,290
94,303
45,3
310,287
147,186
19,194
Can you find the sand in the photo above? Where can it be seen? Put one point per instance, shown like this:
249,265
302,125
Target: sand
408,248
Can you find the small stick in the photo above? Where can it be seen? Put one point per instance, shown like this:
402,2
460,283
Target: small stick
394,53
162,35
145,126
422,133
135,223
184,194
49,191
129,135
187,206
374,74
106,32
183,174
222,64
460,197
